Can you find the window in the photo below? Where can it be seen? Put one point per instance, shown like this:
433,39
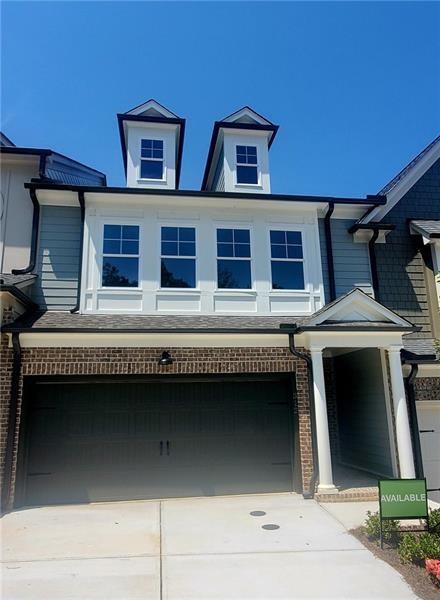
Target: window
178,257
247,170
151,159
233,259
120,256
287,260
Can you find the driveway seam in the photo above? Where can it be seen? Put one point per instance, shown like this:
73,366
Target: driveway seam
160,552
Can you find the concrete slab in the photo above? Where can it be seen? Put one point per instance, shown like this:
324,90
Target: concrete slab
225,525
97,579
350,514
340,574
81,531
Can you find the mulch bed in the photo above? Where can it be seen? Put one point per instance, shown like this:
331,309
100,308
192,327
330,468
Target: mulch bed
416,577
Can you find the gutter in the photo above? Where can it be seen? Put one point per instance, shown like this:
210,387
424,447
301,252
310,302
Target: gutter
413,420
80,259
193,330
34,238
12,422
306,358
329,247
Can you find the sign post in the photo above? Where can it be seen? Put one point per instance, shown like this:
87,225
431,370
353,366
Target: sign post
402,499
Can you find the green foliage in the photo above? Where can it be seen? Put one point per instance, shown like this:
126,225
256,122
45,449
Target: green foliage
389,528
434,519
416,548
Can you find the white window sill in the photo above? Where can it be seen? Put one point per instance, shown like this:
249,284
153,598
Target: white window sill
254,186
194,291
119,289
235,291
160,181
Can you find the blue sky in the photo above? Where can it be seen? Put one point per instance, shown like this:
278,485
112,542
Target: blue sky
354,86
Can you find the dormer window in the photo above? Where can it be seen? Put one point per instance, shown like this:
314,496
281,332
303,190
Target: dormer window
247,167
152,159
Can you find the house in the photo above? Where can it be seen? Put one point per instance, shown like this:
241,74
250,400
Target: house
408,282
224,340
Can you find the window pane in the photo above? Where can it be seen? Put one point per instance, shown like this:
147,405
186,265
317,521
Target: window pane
169,248
146,143
169,234
112,231
187,234
293,237
120,272
243,250
178,273
287,275
146,153
225,250
151,169
277,237
158,144
224,235
247,174
130,232
130,247
251,160
278,250
187,249
112,247
251,150
294,251
241,158
241,150
242,236
157,153
234,274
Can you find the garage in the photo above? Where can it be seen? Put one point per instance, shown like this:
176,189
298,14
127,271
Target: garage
428,415
116,440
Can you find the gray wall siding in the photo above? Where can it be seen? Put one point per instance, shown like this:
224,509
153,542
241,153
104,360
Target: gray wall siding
351,260
58,257
362,416
400,265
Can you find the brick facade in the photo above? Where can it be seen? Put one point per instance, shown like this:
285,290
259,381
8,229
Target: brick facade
144,361
427,388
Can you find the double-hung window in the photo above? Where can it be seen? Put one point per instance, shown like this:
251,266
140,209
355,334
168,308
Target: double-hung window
247,167
120,256
178,257
151,159
234,259
287,261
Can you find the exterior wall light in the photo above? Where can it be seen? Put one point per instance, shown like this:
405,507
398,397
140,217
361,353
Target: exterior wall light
165,359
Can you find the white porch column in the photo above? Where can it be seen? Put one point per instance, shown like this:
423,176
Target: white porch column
403,432
326,484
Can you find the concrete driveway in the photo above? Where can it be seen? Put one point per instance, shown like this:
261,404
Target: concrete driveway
189,549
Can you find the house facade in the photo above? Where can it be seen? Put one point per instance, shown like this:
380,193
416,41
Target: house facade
219,341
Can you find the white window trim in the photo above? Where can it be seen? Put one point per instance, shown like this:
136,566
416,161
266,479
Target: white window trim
159,249
217,258
162,160
257,166
101,255
303,260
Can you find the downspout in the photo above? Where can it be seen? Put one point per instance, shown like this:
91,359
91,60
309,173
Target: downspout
329,248
12,421
306,358
81,241
413,420
373,263
34,238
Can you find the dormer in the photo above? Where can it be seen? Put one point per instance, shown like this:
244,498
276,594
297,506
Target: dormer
238,157
152,144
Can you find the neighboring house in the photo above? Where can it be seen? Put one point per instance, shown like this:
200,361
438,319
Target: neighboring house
221,341
408,282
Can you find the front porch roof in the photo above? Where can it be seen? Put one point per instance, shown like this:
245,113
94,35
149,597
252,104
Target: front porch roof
428,229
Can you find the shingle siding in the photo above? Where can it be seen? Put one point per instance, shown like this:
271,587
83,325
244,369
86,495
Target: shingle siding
400,265
58,257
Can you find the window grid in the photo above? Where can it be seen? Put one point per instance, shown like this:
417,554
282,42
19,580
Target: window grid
286,249
152,158
178,253
120,243
246,155
233,243
234,250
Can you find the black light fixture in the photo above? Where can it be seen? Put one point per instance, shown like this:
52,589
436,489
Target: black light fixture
165,359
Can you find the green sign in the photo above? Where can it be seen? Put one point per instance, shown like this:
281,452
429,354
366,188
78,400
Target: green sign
403,499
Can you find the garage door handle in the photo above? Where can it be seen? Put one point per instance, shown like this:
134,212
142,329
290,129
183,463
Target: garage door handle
427,431
168,447
161,447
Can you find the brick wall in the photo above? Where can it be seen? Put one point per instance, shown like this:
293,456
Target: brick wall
427,388
138,361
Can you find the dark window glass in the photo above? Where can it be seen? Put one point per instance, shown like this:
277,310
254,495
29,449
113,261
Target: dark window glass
247,155
112,247
120,271
169,234
178,273
129,247
151,169
277,237
225,250
233,242
151,149
224,235
287,275
178,241
247,174
294,251
121,239
234,274
112,231
242,250
278,250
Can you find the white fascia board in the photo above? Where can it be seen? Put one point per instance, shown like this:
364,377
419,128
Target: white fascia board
352,339
57,197
154,105
405,184
246,112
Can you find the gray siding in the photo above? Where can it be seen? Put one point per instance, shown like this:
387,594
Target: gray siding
58,257
400,265
351,260
218,182
362,416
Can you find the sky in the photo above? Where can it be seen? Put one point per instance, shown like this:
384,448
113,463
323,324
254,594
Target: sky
354,86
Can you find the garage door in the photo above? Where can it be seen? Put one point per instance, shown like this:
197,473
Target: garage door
428,414
106,441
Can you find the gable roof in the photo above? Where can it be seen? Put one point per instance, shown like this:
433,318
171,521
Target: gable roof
151,108
395,189
5,141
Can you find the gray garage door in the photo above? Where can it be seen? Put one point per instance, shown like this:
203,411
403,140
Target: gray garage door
107,441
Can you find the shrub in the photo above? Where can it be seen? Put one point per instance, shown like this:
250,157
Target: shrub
434,520
389,528
416,548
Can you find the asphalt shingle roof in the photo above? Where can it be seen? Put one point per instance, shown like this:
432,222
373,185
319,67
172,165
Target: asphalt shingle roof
9,279
416,348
